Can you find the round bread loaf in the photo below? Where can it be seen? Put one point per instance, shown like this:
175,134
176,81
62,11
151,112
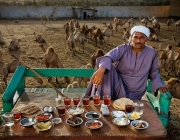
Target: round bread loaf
30,111
120,103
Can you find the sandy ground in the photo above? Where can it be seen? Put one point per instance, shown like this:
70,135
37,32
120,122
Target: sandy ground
54,34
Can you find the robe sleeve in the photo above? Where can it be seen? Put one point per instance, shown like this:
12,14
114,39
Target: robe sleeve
155,76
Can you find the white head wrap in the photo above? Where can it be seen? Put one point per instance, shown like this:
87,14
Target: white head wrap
141,29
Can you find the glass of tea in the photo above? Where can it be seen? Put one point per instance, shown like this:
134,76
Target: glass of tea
76,101
67,101
17,115
129,108
86,100
107,99
61,110
96,99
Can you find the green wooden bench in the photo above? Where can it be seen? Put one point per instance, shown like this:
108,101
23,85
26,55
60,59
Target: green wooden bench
17,87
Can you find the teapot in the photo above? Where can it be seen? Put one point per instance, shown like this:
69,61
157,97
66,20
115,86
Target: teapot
8,118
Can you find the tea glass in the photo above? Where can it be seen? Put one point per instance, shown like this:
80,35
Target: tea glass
86,100
129,108
96,99
76,101
67,101
17,115
8,118
138,107
61,110
107,99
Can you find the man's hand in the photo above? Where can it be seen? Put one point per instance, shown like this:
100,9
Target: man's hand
163,89
98,76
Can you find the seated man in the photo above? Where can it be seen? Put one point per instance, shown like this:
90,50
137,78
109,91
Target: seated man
135,64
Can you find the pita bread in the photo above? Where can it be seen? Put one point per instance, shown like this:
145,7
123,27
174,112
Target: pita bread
119,104
30,111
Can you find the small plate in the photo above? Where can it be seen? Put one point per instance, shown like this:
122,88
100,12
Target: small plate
121,121
39,129
42,117
75,110
56,120
92,115
80,120
142,124
129,116
93,124
117,114
27,122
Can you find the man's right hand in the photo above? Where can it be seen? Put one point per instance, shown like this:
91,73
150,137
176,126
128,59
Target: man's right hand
98,76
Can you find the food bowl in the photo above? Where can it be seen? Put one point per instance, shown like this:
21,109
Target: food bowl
27,122
43,126
133,116
56,120
75,111
77,122
48,109
92,115
117,114
43,117
93,124
139,124
121,121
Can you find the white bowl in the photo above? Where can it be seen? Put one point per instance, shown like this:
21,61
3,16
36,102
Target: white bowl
89,124
117,114
121,121
142,127
56,120
75,111
48,109
92,115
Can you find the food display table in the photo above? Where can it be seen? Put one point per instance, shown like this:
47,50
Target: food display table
155,131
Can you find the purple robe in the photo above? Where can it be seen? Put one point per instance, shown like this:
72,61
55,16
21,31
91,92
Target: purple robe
129,77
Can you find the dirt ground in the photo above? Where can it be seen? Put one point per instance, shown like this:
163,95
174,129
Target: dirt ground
54,34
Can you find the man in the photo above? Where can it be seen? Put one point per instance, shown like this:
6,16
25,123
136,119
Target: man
135,64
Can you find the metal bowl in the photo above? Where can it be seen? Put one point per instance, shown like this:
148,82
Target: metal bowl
93,124
72,123
121,121
27,122
92,115
139,124
42,117
48,109
56,120
75,111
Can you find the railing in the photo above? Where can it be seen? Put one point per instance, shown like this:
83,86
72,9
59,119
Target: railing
16,88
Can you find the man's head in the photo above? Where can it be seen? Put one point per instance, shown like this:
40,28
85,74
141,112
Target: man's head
139,36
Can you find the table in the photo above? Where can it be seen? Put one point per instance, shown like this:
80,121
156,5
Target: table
109,131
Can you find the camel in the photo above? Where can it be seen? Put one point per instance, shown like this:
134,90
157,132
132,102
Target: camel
177,43
116,19
85,31
131,22
14,45
169,22
154,37
107,33
52,60
152,19
94,56
71,24
39,38
79,39
177,24
44,18
1,39
76,24
173,85
143,21
66,27
9,68
71,43
126,35
96,33
119,23
109,26
156,25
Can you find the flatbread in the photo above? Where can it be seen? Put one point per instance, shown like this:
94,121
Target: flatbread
30,111
119,104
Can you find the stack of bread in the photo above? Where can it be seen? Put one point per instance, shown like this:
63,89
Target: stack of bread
119,104
30,111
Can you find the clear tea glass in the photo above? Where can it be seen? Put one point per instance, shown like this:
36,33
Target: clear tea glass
85,100
67,101
8,119
61,110
129,108
96,100
76,101
17,115
138,107
107,99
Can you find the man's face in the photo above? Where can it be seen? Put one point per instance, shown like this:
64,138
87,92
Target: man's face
138,40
